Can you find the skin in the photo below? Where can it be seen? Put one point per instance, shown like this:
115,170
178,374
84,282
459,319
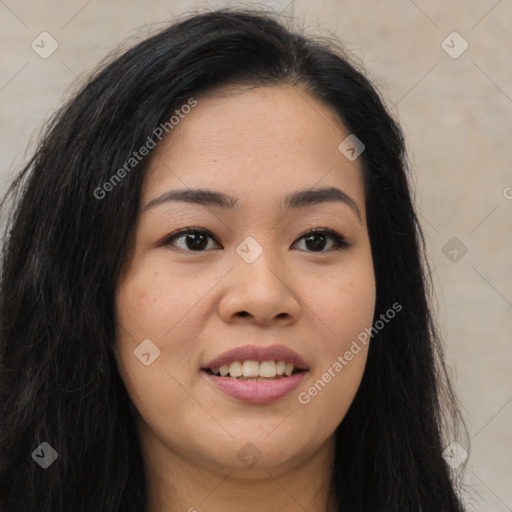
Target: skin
258,145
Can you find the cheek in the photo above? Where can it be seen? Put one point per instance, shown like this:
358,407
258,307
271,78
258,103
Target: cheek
164,305
344,308
144,300
143,308
150,306
152,302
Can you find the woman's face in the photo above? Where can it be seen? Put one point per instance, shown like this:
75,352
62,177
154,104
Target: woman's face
253,280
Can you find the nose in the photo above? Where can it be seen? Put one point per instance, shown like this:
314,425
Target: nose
261,292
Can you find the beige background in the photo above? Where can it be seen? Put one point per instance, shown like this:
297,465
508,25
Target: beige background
457,117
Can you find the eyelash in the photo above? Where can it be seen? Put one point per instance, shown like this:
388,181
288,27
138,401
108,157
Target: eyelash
340,242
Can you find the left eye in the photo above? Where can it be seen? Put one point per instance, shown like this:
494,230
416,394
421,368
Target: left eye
196,239
320,235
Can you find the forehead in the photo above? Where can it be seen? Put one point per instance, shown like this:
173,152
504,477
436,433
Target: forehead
256,144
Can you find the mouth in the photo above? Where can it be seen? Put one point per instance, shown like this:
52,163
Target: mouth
255,389
256,374
251,370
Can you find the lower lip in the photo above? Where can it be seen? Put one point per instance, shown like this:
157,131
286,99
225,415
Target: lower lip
257,392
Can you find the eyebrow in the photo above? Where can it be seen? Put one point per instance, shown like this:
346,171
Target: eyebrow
298,199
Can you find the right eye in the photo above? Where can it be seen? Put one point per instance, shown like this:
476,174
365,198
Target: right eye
194,239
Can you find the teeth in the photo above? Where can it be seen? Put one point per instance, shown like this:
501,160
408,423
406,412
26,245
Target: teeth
253,369
250,369
267,369
235,369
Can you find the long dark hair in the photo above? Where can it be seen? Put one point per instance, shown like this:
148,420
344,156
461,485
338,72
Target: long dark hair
64,249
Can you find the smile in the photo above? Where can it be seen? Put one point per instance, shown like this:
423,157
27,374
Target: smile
254,370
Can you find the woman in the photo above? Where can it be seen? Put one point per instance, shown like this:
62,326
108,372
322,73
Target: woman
213,290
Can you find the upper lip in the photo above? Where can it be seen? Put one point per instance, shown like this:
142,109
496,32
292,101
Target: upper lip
258,353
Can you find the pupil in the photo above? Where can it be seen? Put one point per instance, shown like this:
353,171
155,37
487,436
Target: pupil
197,242
315,246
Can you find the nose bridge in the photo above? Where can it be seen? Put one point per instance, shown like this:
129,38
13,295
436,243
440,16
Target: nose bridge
258,264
